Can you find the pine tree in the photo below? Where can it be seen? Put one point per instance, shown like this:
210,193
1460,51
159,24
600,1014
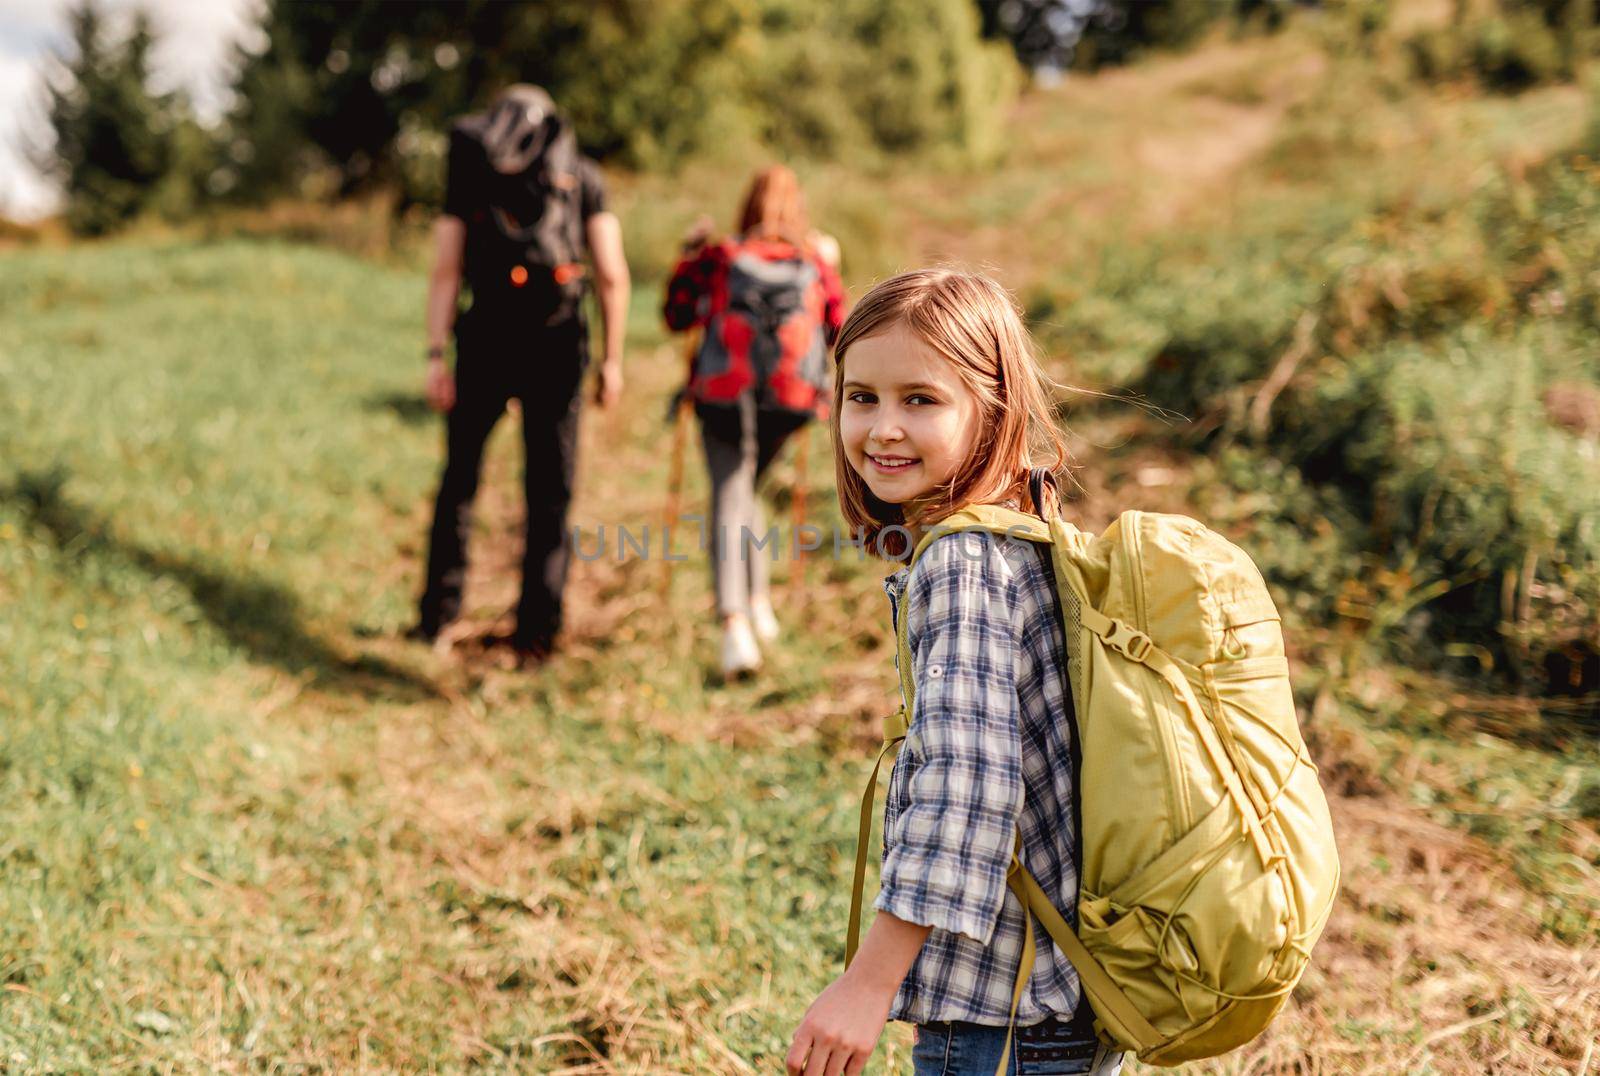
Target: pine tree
114,138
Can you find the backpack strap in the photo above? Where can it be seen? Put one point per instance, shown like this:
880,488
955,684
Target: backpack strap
977,517
1007,522
985,517
1108,998
852,939
1136,646
1038,479
1024,962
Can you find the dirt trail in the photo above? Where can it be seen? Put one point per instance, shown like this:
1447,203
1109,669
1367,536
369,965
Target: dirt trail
1432,958
1431,955
1131,152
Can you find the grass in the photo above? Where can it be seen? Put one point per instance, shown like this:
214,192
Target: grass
244,827
246,824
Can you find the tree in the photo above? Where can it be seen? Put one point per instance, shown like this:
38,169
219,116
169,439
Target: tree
349,88
363,91
115,141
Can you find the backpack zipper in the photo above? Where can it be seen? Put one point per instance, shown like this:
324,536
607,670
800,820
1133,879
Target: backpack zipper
1177,791
1133,555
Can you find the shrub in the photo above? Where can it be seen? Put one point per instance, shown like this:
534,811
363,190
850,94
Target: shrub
1508,45
1401,404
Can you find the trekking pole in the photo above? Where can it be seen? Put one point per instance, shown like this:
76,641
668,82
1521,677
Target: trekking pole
680,434
797,507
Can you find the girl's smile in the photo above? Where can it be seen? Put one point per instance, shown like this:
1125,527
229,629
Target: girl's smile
941,405
907,422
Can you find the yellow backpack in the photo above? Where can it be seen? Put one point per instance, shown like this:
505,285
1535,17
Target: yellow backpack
1208,858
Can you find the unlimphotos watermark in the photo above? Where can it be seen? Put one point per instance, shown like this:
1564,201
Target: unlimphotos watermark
645,541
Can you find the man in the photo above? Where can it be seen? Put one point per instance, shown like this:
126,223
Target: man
522,207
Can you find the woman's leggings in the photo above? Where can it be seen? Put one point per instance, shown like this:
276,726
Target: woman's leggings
740,444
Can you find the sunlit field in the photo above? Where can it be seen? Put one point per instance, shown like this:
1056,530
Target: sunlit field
245,826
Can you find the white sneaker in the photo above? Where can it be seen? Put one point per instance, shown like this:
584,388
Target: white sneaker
763,619
740,654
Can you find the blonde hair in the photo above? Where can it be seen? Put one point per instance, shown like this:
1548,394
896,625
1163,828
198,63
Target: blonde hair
775,207
976,325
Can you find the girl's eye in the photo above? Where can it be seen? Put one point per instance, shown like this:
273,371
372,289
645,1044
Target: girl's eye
920,398
862,398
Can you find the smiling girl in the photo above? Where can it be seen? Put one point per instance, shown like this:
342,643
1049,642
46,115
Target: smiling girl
940,404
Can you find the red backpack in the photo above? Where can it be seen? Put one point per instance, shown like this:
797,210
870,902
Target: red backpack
765,331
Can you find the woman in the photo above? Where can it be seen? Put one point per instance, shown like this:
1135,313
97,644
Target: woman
769,302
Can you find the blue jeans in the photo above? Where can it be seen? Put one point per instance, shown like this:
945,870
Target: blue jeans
1051,1048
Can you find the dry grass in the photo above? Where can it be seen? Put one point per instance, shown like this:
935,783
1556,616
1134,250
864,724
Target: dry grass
615,864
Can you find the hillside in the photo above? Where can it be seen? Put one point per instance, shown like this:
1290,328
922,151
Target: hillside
244,826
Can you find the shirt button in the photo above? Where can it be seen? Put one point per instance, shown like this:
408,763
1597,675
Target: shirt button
935,670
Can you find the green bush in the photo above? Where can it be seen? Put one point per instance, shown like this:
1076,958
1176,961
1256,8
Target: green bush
1488,513
1398,399
1510,45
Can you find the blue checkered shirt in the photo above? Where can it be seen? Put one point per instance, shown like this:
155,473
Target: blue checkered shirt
991,721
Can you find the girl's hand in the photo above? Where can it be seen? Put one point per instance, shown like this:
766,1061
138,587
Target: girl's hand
841,1029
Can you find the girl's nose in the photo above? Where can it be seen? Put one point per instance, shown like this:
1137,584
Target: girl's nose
887,429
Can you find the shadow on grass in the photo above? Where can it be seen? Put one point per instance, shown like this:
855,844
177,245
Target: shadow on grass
254,614
410,409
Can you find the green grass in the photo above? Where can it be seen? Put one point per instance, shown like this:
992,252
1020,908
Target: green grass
244,823
244,827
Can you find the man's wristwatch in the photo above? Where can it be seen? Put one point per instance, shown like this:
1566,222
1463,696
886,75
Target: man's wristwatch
436,351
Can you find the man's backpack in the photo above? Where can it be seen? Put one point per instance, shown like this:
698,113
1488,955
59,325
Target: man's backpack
525,240
1208,865
765,333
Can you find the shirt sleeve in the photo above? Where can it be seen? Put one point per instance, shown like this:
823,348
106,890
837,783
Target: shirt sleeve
461,176
688,295
952,841
591,188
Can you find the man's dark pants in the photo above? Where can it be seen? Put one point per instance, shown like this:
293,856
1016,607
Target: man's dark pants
543,368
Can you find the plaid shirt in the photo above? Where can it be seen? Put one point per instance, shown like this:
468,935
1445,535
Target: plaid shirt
991,719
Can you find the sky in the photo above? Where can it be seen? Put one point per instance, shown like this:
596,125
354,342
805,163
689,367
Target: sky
192,50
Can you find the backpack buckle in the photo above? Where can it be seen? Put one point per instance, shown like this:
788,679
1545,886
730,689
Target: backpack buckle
1128,642
895,726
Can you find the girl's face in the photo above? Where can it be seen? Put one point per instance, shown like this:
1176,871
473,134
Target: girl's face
908,422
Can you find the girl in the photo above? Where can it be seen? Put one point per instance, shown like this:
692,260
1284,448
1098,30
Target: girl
770,302
940,403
